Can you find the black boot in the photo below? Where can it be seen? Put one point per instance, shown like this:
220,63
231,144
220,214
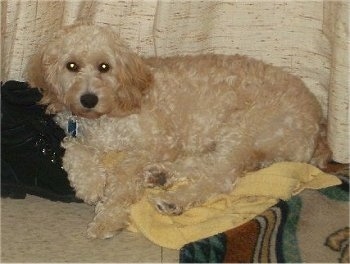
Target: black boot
31,155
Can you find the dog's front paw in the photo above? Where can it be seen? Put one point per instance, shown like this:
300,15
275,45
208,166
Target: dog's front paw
89,198
167,207
103,230
157,176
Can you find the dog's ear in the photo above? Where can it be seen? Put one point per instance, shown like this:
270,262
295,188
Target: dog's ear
133,75
36,75
135,80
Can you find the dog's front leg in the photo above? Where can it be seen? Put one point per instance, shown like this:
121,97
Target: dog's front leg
124,186
85,172
112,213
109,220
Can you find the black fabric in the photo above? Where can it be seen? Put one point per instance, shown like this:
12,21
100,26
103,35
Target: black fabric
31,155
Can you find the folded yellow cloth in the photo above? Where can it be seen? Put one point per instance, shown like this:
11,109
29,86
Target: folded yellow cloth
252,195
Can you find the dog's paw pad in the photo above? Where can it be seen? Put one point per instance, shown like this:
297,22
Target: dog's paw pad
168,208
155,176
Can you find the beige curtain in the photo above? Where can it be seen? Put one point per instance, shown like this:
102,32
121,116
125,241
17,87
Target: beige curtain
309,39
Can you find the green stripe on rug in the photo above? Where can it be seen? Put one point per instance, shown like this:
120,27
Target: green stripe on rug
290,241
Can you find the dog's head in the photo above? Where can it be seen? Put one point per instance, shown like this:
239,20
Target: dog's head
89,71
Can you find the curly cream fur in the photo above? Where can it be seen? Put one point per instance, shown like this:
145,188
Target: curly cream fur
206,118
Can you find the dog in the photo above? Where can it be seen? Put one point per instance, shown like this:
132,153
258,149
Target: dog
203,119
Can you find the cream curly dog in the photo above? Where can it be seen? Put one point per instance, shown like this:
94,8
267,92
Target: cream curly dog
205,119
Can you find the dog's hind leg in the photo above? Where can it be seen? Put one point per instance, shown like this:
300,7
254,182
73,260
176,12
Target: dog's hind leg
197,178
190,195
322,154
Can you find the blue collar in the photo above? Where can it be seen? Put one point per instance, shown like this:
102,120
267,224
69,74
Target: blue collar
72,127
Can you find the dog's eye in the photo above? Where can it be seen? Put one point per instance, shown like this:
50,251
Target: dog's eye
103,67
72,66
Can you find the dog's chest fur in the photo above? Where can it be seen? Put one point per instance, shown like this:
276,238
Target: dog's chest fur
104,132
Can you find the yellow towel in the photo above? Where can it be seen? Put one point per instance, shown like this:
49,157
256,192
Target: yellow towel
252,195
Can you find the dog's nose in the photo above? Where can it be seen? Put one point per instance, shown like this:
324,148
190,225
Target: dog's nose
89,100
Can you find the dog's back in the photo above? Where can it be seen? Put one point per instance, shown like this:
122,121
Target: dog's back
207,99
